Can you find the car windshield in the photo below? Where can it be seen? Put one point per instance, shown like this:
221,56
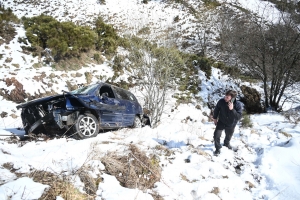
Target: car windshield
85,90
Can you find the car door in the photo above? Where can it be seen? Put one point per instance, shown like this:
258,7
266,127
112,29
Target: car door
129,111
110,108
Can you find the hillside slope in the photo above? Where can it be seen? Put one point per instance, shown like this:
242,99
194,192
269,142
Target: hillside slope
176,157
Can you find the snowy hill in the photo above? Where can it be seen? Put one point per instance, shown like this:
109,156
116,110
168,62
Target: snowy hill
263,165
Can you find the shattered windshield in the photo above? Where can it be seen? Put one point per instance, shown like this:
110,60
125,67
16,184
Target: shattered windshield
85,90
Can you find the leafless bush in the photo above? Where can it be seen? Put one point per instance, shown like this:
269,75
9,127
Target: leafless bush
156,70
292,115
265,50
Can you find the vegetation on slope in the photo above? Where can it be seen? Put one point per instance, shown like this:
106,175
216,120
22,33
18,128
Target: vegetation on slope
7,30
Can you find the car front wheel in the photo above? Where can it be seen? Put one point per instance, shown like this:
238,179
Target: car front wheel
137,123
86,126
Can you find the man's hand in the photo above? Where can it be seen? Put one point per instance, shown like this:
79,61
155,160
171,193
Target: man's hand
215,121
230,105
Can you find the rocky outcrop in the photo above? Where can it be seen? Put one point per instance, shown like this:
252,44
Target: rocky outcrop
251,99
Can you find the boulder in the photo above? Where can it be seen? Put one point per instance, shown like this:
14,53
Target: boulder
251,99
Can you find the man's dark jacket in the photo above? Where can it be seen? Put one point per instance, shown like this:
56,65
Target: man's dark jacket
227,118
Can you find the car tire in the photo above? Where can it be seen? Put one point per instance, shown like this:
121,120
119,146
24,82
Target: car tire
137,123
86,126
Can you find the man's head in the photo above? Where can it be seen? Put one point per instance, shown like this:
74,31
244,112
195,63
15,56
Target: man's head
230,94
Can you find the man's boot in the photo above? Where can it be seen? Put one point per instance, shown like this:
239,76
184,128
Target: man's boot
228,146
217,152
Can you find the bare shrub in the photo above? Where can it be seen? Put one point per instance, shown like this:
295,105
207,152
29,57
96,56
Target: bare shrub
286,134
90,186
156,70
135,170
59,186
293,116
267,51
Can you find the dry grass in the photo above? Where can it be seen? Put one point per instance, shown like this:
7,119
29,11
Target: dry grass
183,177
156,196
254,131
162,150
135,170
251,185
215,191
286,134
59,186
201,152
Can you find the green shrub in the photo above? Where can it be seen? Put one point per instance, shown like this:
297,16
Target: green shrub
97,57
203,63
108,38
234,72
64,39
246,121
211,3
118,64
7,31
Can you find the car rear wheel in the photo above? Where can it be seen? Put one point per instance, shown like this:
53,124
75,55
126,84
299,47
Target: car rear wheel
86,126
137,123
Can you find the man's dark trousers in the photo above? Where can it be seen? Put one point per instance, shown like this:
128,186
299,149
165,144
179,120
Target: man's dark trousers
217,135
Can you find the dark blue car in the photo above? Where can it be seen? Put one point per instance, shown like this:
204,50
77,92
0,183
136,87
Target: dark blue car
83,112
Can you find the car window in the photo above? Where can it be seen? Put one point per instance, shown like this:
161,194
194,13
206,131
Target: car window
121,94
131,96
108,90
85,90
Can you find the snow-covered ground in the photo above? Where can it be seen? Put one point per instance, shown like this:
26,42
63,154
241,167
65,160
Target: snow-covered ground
264,165
264,9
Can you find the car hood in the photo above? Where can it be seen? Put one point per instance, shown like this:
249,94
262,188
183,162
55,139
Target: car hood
50,98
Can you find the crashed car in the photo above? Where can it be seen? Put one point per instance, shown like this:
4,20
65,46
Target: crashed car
83,112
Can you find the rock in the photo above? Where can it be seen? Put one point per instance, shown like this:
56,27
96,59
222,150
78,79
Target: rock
8,60
14,116
64,75
3,114
251,185
78,74
73,75
52,75
198,107
251,99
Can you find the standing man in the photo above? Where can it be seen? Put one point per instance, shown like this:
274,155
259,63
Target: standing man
229,112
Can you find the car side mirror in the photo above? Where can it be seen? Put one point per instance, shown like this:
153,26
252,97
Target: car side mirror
104,95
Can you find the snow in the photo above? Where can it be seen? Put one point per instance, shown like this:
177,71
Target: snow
108,192
264,9
22,188
281,165
267,159
264,164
